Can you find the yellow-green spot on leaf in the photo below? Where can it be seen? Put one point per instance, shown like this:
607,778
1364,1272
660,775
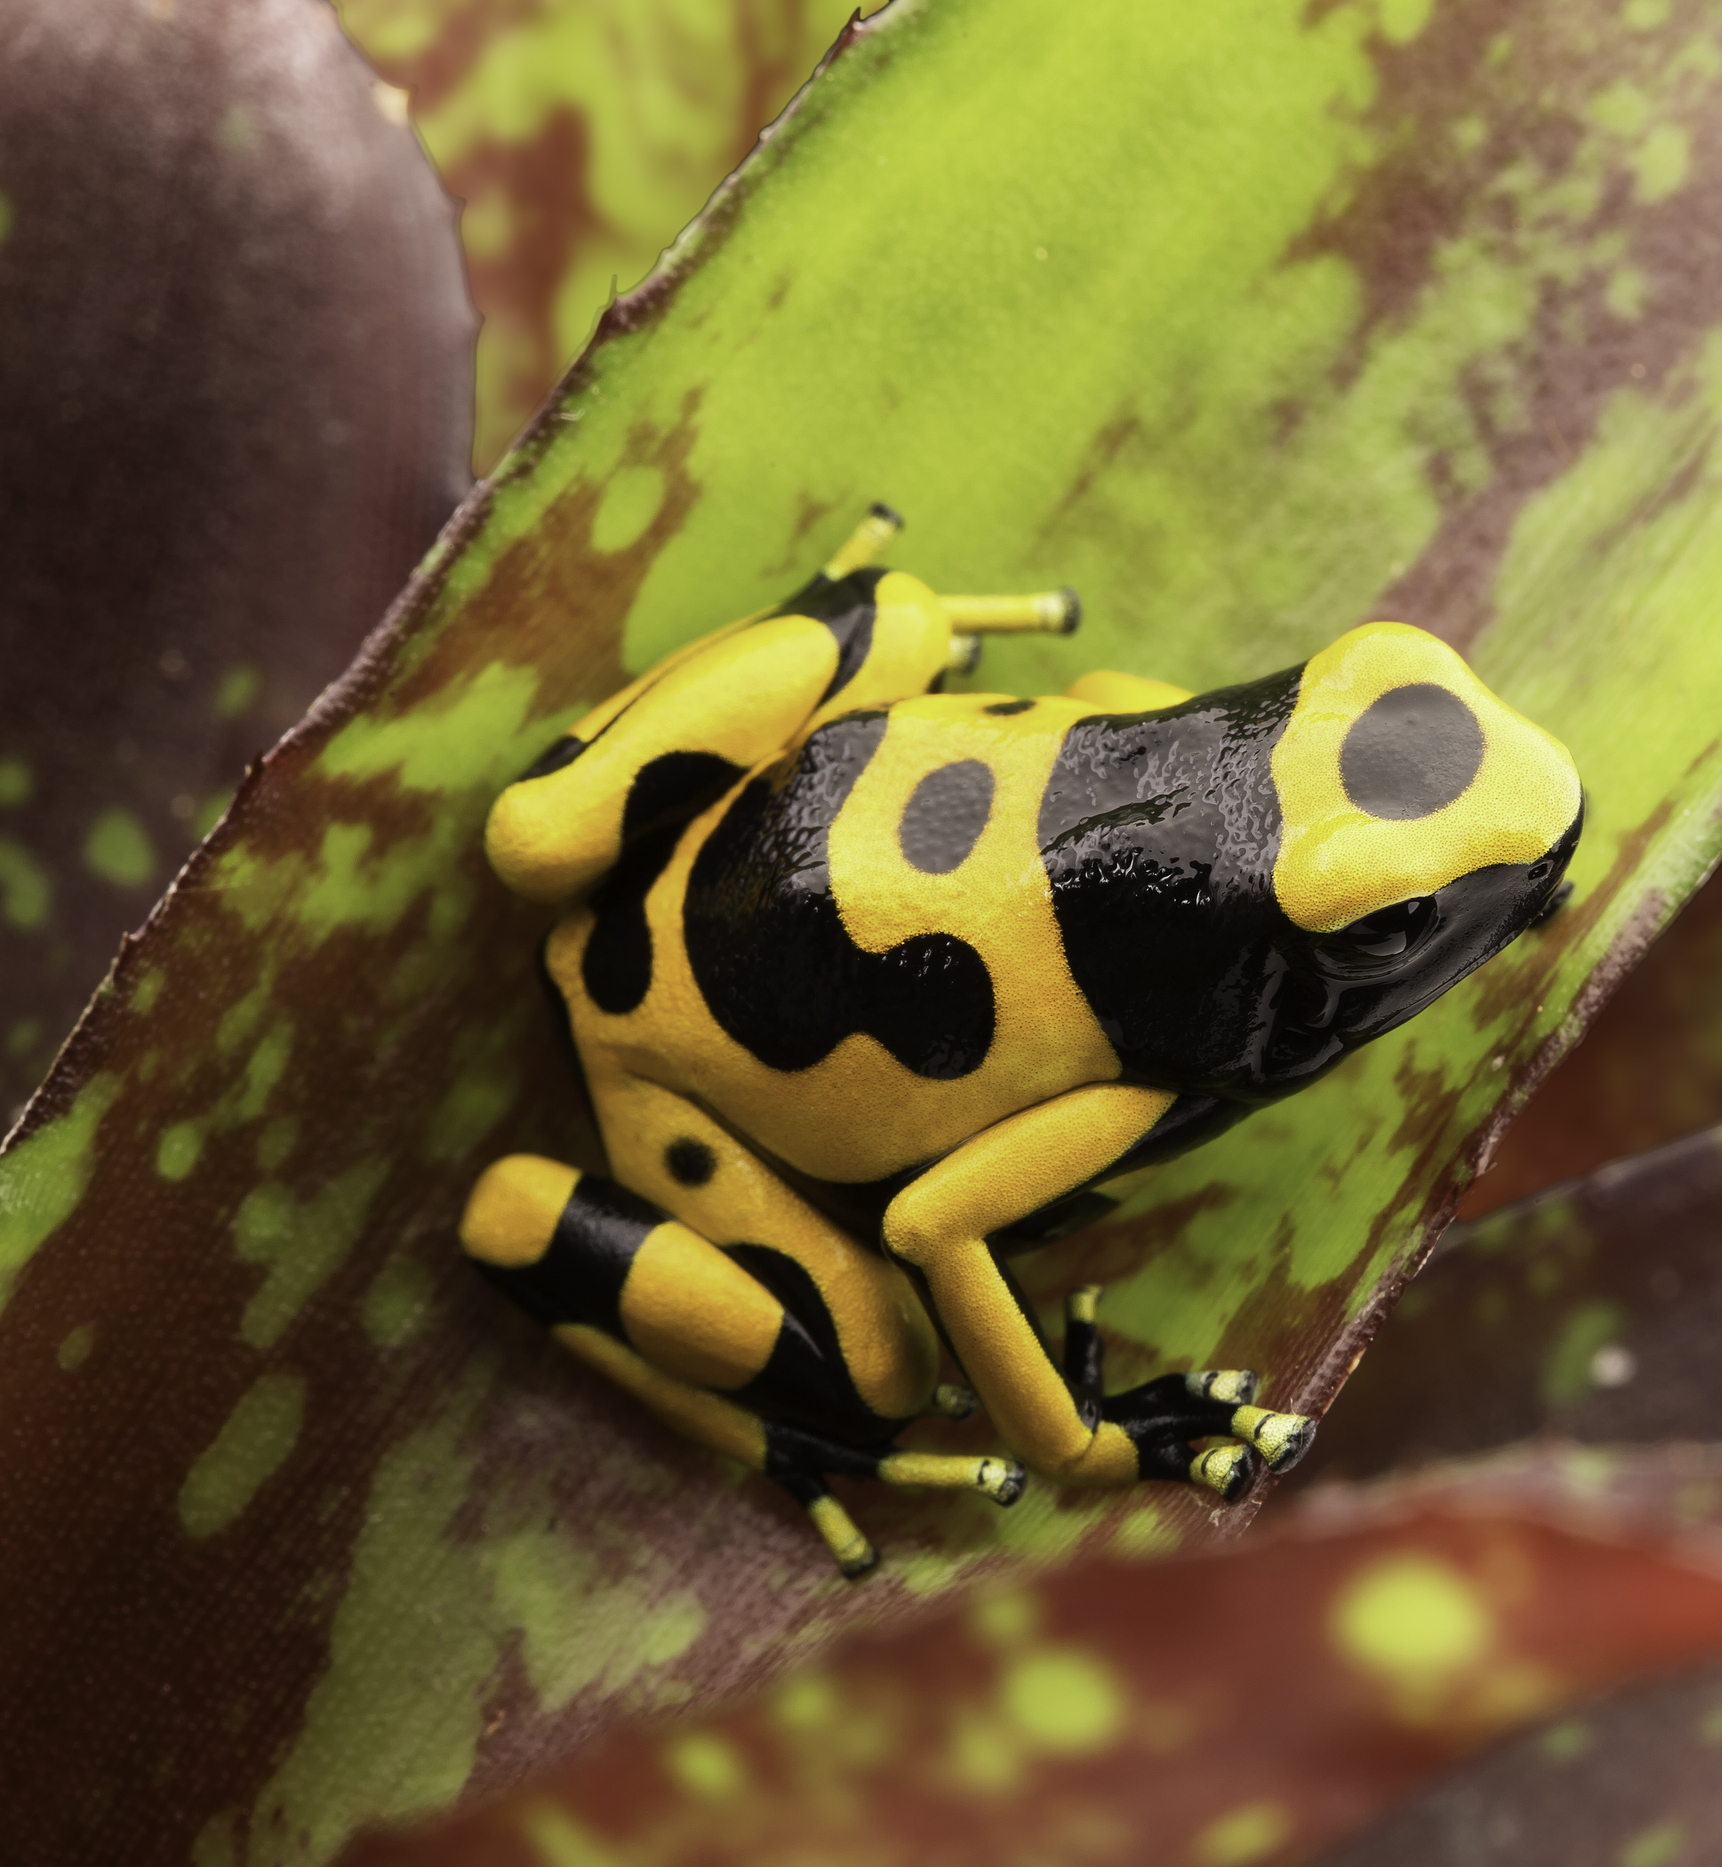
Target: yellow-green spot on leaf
1006,1618
209,813
807,1702
26,894
148,990
1625,293
472,742
74,1351
235,691
1565,1742
1411,1619
240,1019
1566,1373
561,1841
1064,1699
1662,160
1622,108
277,1142
397,1304
300,1243
16,779
237,129
474,1103
264,1068
177,1151
352,887
119,850
1245,1834
706,1764
251,1447
630,503
44,1176
1404,20
1655,1847
542,1581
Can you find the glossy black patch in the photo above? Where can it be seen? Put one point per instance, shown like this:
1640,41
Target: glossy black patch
1414,751
1159,832
847,609
579,1279
772,958
616,967
945,816
691,1162
1002,709
555,756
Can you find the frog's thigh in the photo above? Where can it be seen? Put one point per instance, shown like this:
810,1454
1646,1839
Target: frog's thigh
578,1251
664,1147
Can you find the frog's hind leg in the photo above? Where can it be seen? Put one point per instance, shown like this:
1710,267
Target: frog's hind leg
1163,1417
699,1336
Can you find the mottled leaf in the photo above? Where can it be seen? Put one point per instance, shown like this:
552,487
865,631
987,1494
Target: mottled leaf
1591,1311
235,403
1648,1072
580,135
1630,1782
1257,1707
1252,324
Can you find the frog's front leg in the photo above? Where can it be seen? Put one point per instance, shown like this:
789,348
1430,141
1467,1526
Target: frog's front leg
1063,1428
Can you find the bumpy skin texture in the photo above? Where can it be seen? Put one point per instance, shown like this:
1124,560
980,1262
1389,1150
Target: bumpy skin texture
873,985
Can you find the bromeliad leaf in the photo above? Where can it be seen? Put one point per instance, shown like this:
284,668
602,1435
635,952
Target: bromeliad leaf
1250,324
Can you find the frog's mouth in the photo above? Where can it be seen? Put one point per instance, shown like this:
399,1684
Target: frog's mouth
1342,989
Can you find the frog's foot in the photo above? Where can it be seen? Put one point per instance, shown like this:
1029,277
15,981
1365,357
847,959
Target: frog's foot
1164,1418
950,1402
800,1462
848,1543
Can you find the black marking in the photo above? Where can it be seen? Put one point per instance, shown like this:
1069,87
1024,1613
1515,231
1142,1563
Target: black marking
772,957
945,816
1003,709
1414,751
579,1278
690,1162
555,756
1159,831
846,606
616,966
806,1382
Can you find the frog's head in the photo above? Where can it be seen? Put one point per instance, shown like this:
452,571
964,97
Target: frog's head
1424,825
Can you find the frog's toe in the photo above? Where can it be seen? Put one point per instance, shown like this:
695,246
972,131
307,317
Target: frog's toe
1225,1469
1236,1387
952,1402
848,1544
1281,1438
1002,1480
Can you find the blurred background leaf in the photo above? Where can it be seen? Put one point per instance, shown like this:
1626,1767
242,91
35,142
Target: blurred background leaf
235,407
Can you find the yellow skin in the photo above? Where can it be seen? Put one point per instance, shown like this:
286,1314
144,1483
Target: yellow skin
687,1325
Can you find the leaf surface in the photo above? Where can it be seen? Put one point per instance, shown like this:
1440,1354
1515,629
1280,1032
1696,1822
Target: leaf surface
235,406
1251,324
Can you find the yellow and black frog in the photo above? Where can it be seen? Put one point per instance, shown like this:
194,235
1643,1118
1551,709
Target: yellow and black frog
874,986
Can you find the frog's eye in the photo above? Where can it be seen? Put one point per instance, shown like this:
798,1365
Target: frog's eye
1412,752
1390,933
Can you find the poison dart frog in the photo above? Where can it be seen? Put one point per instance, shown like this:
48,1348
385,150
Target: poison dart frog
873,986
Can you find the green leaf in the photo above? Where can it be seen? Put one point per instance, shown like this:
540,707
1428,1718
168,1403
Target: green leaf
1341,312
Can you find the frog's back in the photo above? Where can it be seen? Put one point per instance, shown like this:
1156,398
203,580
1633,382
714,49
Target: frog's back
853,955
